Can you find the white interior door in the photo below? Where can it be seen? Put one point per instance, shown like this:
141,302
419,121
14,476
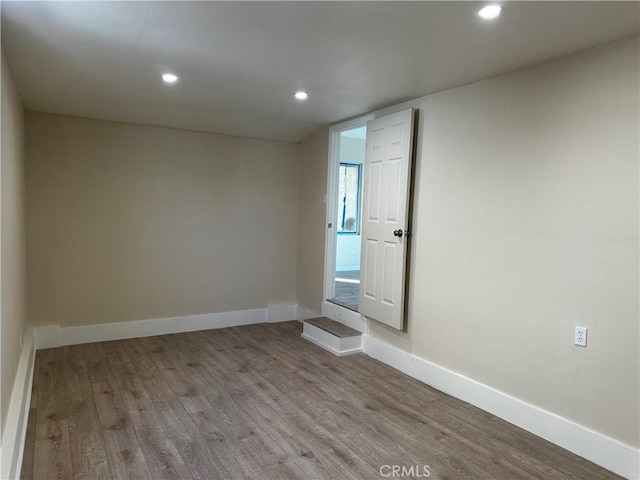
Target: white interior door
385,217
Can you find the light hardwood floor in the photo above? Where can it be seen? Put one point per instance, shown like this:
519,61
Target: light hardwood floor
261,402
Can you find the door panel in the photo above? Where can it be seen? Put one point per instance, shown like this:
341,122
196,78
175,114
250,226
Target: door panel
393,188
388,277
373,196
386,207
368,270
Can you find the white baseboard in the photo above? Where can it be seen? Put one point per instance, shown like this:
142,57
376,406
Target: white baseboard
282,313
46,337
336,345
335,351
15,429
304,314
56,336
347,317
596,447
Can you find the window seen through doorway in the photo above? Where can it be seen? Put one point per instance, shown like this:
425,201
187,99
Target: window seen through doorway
348,197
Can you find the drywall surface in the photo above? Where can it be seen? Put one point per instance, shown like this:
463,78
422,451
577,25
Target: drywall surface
525,225
312,186
13,264
127,222
348,252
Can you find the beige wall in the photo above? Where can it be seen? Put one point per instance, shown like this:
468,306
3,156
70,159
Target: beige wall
12,271
128,222
525,225
311,219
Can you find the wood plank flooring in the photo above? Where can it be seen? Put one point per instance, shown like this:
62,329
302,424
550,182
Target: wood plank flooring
261,402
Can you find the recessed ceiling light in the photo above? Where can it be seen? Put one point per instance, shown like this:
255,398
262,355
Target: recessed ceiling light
169,78
301,95
490,12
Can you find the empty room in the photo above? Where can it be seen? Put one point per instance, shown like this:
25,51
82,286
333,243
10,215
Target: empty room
320,240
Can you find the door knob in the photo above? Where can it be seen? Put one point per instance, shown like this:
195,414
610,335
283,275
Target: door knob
398,233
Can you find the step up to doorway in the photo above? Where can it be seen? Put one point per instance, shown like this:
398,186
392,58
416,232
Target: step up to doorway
333,336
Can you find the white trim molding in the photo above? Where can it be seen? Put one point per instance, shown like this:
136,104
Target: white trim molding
52,336
15,430
347,317
332,200
282,313
336,345
305,314
596,447
46,337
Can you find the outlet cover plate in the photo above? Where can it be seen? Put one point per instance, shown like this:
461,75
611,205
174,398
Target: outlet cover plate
580,336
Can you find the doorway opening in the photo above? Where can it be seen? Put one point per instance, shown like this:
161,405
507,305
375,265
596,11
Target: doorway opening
344,202
374,237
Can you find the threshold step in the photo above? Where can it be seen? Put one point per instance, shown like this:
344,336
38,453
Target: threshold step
333,327
333,336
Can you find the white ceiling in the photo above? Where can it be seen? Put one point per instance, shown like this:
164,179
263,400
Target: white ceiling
241,62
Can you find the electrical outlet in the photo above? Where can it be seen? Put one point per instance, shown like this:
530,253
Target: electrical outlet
581,336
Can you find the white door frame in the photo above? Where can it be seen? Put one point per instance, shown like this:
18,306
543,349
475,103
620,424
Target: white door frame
336,312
